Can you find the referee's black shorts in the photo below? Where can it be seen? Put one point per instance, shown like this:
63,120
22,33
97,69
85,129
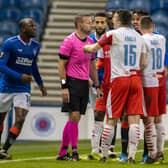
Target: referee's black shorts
79,94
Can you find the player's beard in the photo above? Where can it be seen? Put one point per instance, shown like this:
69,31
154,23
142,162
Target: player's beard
100,33
85,31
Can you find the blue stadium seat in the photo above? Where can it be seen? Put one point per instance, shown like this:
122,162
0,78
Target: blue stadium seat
35,14
139,4
2,13
12,14
161,29
40,4
38,31
159,4
115,4
9,27
9,3
3,37
160,17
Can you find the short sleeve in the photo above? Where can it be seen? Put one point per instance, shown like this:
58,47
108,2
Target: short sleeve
66,47
105,39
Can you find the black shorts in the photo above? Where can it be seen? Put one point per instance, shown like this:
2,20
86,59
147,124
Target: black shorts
79,94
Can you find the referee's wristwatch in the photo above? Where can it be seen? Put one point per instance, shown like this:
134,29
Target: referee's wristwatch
64,84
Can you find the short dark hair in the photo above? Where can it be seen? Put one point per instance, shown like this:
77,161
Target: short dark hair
124,16
23,22
146,22
79,18
100,14
140,12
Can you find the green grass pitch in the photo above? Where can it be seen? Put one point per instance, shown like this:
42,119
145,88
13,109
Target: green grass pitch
43,155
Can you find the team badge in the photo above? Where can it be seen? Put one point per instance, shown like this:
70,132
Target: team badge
103,39
2,55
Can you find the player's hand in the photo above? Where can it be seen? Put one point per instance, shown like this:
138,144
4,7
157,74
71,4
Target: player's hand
43,91
26,78
65,95
90,83
86,49
99,93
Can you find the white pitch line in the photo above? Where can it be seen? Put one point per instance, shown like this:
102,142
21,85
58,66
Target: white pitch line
47,158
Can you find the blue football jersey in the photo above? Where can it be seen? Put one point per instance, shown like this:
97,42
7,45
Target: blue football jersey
100,71
18,58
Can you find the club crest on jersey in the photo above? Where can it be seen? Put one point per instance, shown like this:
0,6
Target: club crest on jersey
103,39
2,55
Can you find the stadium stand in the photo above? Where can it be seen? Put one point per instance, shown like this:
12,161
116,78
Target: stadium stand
8,27
139,4
159,4
9,3
11,13
38,4
14,10
116,4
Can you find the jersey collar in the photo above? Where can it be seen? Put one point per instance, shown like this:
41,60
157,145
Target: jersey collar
29,43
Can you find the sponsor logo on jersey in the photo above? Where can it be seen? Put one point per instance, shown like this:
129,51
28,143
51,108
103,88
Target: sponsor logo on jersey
24,61
20,50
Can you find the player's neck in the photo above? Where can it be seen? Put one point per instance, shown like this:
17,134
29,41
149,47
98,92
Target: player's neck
81,35
24,38
98,36
147,31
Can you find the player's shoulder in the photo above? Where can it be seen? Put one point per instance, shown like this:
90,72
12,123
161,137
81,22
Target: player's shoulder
90,39
9,42
160,36
35,42
12,39
70,37
92,35
136,33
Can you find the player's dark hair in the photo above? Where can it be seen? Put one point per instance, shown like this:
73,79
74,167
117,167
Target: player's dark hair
124,16
100,14
21,23
140,12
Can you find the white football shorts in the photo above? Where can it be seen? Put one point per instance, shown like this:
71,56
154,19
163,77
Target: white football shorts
21,100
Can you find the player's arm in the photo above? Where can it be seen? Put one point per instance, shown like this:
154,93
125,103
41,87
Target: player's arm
100,63
143,61
94,77
166,64
144,51
62,67
92,48
4,57
62,73
37,77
